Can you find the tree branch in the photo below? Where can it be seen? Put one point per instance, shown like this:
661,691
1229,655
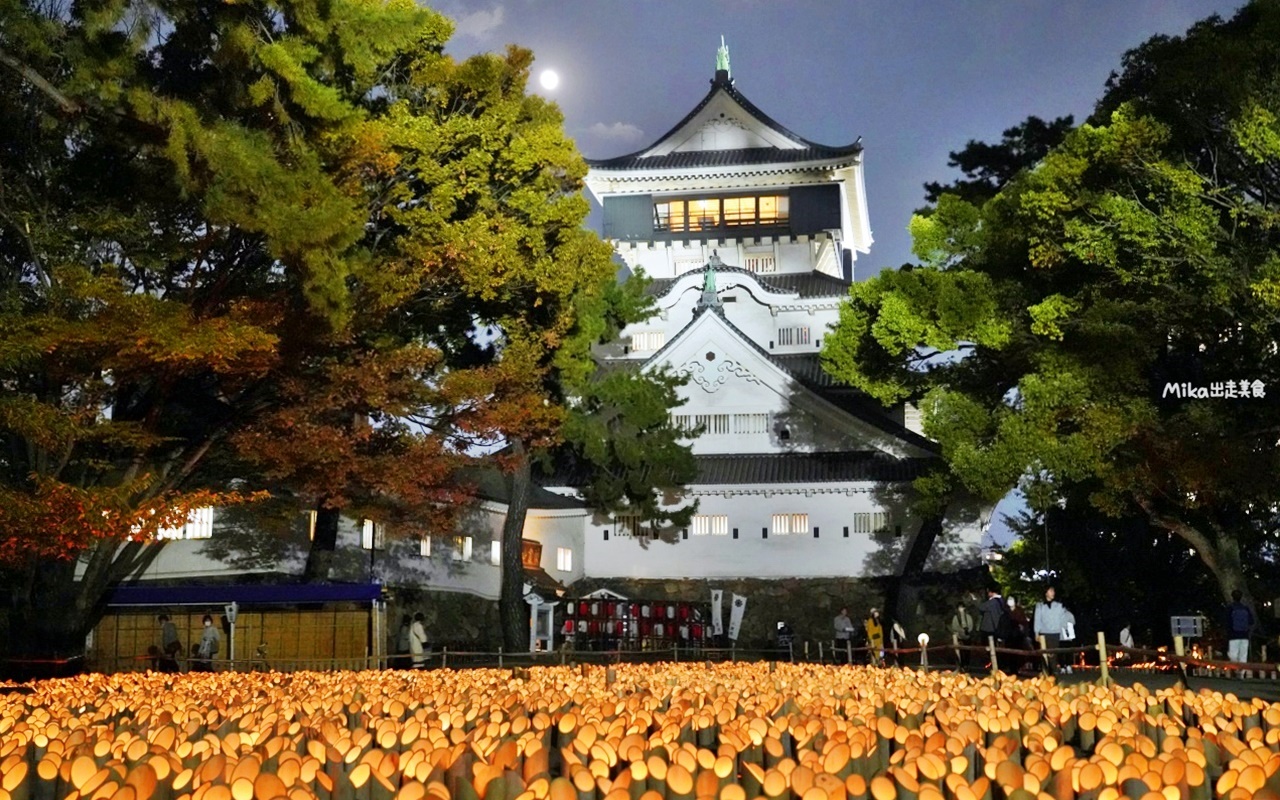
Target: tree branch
38,81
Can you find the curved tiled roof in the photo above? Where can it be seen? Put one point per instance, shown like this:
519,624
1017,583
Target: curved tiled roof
805,284
746,468
746,156
811,151
835,467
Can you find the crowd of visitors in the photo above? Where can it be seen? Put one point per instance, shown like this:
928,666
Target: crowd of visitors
1049,626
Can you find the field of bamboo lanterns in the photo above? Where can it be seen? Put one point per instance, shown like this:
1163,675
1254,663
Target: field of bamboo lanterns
630,732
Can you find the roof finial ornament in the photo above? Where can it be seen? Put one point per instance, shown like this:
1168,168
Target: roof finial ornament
710,298
722,60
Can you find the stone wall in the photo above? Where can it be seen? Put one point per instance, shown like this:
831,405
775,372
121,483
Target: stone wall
808,605
453,619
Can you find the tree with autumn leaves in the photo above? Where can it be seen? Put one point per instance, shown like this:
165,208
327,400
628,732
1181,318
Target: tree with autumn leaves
267,245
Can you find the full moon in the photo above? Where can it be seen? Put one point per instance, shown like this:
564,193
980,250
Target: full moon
549,79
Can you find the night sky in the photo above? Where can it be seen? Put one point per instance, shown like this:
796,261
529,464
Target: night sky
914,79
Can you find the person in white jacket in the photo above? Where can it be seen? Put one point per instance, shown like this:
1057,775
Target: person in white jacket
1050,618
418,641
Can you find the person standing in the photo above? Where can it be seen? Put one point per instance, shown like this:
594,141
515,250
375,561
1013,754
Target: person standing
1050,619
897,638
1126,636
1239,625
843,628
1017,634
418,641
210,638
990,614
962,627
402,640
875,636
170,645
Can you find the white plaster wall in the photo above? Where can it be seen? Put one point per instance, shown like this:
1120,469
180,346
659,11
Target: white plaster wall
399,562
402,562
556,529
832,554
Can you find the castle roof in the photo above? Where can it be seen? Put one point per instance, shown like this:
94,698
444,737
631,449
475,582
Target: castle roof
725,105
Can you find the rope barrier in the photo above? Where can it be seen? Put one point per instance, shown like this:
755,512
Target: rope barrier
441,658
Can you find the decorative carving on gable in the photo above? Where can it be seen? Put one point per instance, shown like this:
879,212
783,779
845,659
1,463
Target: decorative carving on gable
723,123
711,379
723,133
737,370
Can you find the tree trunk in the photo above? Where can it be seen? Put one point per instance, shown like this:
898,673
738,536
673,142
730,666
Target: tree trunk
513,612
323,545
903,592
1220,553
51,611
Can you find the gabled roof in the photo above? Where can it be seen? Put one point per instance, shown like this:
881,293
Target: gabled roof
797,149
807,371
805,284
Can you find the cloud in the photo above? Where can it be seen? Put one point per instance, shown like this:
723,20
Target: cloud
478,23
621,132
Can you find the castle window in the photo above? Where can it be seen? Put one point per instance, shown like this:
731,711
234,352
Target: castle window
786,524
462,548
870,522
564,559
703,214
710,525
709,213
424,547
791,337
740,211
721,424
750,423
647,341
373,535
630,526
199,525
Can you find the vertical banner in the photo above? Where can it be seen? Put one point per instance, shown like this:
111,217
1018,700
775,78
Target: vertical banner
717,618
735,615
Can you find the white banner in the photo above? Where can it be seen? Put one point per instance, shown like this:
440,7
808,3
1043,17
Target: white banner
735,615
717,618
